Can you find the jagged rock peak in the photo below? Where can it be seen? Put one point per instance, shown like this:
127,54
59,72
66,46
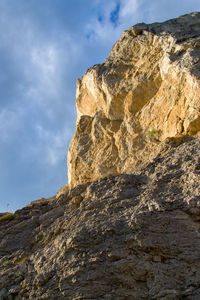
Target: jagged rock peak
146,92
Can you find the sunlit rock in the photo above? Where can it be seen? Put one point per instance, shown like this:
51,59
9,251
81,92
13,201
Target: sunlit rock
147,90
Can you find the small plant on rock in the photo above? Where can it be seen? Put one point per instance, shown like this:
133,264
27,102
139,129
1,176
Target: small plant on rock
8,216
152,132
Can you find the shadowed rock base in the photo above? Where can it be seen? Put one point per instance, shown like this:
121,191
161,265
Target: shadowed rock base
130,236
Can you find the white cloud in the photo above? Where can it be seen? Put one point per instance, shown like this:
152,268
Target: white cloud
104,29
46,60
54,144
39,50
129,12
132,12
9,124
43,73
40,60
47,65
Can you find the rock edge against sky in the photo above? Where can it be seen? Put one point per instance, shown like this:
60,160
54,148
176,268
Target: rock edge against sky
128,236
147,90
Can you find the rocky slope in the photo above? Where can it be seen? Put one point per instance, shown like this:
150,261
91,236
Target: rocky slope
131,236
134,235
145,92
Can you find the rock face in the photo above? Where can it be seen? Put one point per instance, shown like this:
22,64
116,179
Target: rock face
147,90
124,237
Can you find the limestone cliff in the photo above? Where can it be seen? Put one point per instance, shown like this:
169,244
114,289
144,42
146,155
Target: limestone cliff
147,90
128,236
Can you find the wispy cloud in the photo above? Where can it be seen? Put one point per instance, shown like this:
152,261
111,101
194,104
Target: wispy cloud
44,48
44,74
54,144
114,17
10,122
117,15
130,11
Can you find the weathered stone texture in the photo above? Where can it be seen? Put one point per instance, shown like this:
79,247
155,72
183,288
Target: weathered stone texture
129,236
147,90
124,237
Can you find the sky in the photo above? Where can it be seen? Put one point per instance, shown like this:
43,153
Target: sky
45,46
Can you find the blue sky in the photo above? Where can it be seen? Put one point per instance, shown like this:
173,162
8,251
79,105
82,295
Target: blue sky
45,45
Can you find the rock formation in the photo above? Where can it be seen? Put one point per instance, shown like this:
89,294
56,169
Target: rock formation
131,237
134,235
147,90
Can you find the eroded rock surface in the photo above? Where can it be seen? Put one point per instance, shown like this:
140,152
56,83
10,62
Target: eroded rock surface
124,237
147,90
127,236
